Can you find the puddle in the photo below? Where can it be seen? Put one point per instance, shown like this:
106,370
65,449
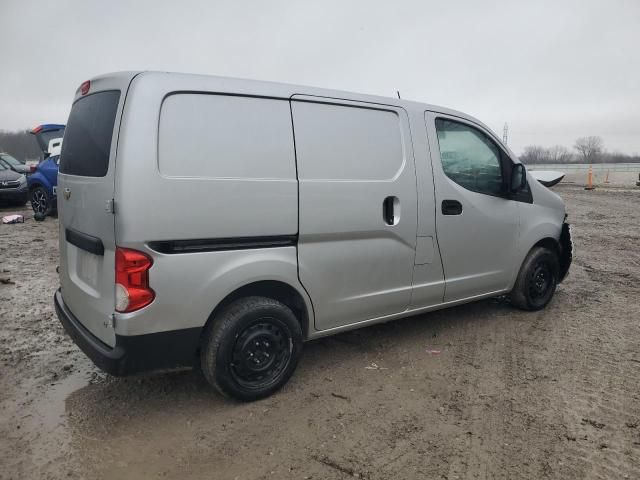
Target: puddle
43,433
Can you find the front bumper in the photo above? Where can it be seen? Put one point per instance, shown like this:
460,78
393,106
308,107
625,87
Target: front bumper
566,251
132,354
15,194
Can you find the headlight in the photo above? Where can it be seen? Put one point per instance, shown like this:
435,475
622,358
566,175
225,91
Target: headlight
22,179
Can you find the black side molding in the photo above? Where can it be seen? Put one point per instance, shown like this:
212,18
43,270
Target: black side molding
222,244
85,242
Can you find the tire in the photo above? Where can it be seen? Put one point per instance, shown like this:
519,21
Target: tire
41,201
537,280
251,348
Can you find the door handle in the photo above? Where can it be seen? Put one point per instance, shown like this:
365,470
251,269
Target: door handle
391,210
451,207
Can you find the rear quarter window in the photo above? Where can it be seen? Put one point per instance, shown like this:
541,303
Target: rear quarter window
87,139
221,136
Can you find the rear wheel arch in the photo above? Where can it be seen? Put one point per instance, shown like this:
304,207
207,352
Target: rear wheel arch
274,289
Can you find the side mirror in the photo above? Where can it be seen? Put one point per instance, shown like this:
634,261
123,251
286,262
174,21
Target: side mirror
518,178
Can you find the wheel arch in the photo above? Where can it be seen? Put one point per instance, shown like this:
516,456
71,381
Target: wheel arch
35,184
546,241
38,180
275,289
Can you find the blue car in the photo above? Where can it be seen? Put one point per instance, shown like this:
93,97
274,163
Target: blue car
44,181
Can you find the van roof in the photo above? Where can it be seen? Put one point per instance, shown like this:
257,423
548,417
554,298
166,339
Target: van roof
283,90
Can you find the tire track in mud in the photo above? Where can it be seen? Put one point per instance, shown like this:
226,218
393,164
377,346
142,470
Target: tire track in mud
604,394
599,386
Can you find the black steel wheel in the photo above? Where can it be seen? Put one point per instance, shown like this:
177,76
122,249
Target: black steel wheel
251,348
540,280
537,280
261,353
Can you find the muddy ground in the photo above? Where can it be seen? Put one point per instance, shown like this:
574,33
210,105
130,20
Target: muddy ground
510,395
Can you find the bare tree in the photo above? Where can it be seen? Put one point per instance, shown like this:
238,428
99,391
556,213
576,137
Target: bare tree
589,147
559,154
533,154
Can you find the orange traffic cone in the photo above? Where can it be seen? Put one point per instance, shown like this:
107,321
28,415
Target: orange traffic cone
606,179
590,180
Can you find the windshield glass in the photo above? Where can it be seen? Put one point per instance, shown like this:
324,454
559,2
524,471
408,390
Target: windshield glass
48,136
9,159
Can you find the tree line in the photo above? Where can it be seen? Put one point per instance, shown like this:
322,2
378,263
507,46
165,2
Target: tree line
586,150
21,145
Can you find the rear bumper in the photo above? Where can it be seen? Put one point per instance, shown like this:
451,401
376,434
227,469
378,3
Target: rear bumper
132,354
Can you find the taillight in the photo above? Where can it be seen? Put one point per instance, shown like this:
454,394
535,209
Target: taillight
132,280
85,86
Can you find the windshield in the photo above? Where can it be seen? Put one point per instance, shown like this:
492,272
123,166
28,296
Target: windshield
9,159
2,167
48,136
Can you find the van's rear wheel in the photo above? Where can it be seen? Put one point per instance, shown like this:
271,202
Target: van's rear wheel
251,348
537,280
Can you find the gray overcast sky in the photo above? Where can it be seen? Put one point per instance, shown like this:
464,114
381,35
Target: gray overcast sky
554,70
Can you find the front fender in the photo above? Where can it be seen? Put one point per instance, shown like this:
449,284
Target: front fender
37,179
537,224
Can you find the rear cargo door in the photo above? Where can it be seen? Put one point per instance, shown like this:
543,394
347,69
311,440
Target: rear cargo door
85,194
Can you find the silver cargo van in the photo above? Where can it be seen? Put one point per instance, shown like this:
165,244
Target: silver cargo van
220,223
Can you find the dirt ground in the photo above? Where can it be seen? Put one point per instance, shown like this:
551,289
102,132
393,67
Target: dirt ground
509,395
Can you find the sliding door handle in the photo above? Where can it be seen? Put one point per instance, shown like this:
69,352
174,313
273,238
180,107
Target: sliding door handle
451,207
391,210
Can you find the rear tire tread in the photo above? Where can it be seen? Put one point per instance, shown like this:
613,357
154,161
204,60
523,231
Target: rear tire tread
223,324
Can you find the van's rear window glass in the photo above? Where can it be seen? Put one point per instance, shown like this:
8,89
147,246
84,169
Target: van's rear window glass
87,138
220,136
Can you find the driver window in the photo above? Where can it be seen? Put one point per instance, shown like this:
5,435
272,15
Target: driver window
469,157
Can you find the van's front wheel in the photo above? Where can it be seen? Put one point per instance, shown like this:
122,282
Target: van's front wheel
537,280
251,348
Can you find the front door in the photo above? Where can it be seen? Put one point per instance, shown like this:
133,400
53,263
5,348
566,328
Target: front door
477,225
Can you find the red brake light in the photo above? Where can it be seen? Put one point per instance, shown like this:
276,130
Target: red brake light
132,280
84,87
